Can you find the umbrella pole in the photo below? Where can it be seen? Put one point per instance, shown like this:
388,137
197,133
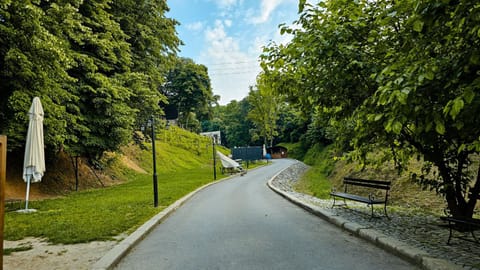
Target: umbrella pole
28,191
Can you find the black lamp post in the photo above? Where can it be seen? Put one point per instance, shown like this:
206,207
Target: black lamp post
155,182
214,158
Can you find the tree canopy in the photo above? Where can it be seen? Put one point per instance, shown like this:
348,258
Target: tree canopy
96,65
401,75
265,110
188,88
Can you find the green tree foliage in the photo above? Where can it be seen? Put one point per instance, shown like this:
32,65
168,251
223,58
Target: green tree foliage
188,88
236,123
292,125
96,65
103,59
153,44
402,75
32,63
217,122
265,111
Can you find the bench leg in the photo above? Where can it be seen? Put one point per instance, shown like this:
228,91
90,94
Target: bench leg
385,210
469,227
473,235
450,233
334,201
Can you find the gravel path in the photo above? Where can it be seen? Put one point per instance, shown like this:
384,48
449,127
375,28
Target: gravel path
423,231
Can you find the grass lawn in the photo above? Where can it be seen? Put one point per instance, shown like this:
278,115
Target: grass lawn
315,181
101,214
404,196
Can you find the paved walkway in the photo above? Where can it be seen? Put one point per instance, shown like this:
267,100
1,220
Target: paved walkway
425,234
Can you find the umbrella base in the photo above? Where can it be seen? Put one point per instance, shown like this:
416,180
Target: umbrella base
26,211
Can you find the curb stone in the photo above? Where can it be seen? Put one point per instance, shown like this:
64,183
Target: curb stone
413,255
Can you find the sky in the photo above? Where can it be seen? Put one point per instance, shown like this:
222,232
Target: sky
227,36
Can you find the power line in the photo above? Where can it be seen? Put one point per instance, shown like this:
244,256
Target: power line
233,63
233,73
234,68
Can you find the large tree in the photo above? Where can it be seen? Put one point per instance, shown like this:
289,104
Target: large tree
237,124
188,89
96,65
153,43
102,59
265,110
33,62
401,75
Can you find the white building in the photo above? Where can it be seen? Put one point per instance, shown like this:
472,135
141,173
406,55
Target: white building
213,134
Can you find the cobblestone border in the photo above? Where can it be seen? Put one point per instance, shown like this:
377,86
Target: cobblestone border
416,237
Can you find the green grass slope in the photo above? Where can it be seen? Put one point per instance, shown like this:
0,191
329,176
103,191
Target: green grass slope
325,173
184,162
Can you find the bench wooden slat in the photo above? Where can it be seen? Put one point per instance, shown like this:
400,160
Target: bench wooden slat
367,183
373,184
469,221
357,198
380,182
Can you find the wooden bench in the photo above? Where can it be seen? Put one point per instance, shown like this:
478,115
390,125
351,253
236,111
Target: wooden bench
462,225
370,200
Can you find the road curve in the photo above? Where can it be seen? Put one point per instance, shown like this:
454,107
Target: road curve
241,224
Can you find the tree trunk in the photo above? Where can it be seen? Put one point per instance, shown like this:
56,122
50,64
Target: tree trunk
460,204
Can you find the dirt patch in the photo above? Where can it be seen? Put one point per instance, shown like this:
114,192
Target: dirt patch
43,256
132,165
59,179
403,191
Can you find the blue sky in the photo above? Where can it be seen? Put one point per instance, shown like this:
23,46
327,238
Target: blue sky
227,36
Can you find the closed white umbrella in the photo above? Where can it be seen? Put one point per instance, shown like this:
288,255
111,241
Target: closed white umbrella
34,162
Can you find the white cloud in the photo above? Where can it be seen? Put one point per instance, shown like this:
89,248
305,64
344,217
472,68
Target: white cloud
234,39
227,3
196,26
231,70
266,9
218,39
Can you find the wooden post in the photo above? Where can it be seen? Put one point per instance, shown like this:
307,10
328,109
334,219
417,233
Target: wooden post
3,173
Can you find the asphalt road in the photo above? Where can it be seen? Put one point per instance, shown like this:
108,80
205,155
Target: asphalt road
241,224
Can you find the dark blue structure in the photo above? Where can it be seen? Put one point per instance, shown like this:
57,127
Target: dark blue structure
247,153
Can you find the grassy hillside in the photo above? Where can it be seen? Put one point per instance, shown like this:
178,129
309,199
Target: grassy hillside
184,162
326,173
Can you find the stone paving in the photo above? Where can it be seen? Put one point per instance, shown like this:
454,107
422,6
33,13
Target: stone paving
423,231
